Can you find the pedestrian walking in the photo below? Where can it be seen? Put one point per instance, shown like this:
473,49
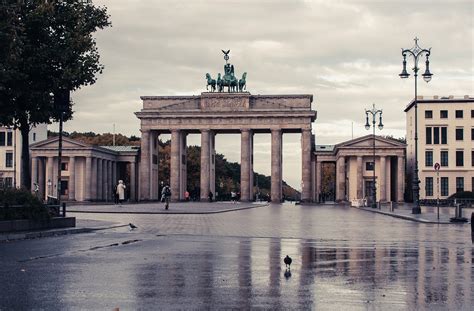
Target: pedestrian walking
166,195
121,192
115,194
210,196
186,196
233,196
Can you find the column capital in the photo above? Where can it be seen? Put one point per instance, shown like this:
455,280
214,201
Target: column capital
245,130
205,130
305,130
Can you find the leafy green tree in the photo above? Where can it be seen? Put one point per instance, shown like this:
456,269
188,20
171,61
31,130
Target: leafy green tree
47,48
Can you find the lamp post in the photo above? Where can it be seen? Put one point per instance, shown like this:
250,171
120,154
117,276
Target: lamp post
61,103
416,52
374,113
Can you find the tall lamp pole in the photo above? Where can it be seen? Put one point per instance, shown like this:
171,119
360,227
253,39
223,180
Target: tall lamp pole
374,113
416,52
61,102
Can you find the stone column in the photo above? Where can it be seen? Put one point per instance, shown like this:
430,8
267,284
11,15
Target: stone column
306,165
133,178
212,163
72,179
204,164
153,147
145,166
245,159
174,165
49,177
251,179
276,166
318,180
340,179
34,172
88,179
382,174
359,180
94,180
400,178
114,173
182,165
41,177
110,182
100,179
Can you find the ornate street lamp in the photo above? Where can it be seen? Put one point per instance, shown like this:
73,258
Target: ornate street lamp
374,113
416,52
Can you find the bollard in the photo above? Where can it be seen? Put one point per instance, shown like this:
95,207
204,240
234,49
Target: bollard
472,227
64,209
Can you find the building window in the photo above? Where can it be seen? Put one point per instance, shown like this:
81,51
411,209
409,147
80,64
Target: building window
8,182
428,158
9,138
34,136
472,113
369,166
444,186
64,166
472,182
429,114
459,184
444,135
472,133
2,138
429,186
472,158
443,114
444,158
459,114
459,158
9,159
436,135
428,135
64,187
459,133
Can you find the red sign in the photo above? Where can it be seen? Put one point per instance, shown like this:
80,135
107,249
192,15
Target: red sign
437,166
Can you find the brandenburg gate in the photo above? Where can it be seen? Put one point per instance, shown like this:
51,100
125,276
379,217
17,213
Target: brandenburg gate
212,113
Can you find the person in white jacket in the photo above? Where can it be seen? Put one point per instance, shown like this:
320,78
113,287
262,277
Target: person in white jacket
121,191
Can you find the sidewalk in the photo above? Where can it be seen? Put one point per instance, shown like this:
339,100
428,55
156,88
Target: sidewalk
82,226
159,208
429,214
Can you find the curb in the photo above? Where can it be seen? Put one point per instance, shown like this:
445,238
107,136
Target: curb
44,234
420,220
169,212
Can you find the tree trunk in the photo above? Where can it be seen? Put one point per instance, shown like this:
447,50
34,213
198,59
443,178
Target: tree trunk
25,177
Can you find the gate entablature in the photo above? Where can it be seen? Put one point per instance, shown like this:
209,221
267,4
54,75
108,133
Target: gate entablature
227,111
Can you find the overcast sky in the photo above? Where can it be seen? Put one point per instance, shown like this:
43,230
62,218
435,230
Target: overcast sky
346,53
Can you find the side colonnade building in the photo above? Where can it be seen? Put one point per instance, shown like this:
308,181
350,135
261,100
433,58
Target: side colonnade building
88,172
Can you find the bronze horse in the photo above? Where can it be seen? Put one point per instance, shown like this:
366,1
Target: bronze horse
210,82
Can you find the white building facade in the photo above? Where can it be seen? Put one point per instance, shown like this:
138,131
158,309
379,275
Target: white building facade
445,136
10,152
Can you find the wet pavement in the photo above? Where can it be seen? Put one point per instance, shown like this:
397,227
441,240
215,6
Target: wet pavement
343,259
429,214
159,208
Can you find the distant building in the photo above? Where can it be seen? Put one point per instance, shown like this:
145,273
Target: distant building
10,152
344,172
88,173
445,136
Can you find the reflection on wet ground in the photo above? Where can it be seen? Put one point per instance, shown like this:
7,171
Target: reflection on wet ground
356,261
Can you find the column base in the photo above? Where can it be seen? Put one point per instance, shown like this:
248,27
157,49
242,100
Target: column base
416,210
